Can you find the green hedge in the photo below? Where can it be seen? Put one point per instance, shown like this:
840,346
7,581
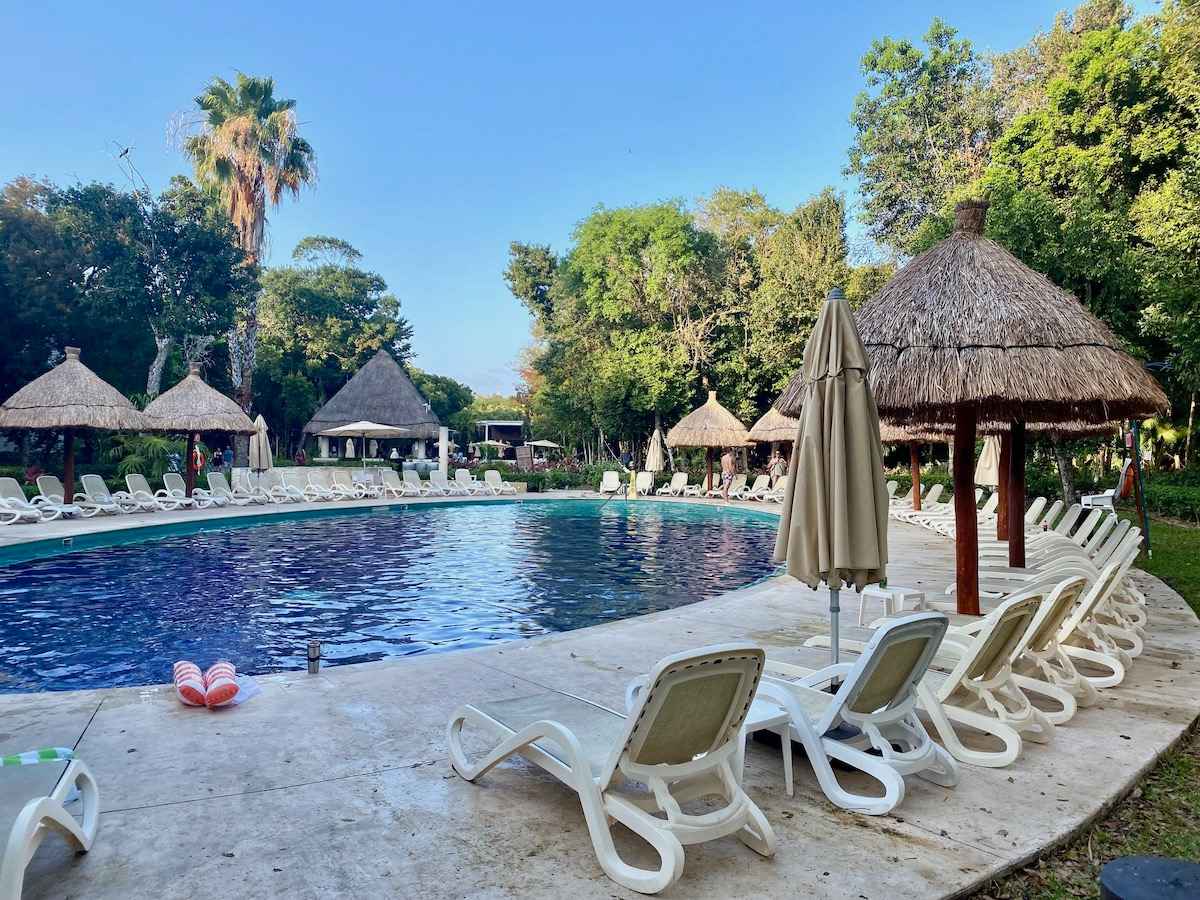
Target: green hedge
1175,500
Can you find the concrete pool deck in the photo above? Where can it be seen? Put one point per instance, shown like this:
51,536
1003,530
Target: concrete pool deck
338,784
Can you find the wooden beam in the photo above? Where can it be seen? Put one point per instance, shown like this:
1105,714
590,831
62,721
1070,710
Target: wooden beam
914,464
1016,496
68,465
1002,487
966,525
190,467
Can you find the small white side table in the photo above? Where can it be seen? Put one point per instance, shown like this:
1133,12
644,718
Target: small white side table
892,598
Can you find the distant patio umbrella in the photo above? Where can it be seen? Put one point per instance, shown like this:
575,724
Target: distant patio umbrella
835,514
69,397
261,457
191,407
364,430
987,470
655,456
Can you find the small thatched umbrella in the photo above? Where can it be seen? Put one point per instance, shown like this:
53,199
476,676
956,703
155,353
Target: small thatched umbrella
708,426
965,332
192,406
890,433
69,397
774,427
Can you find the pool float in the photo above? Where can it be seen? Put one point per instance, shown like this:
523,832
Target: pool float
220,684
189,683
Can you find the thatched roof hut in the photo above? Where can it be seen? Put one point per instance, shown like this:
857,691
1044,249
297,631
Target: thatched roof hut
70,396
193,406
379,392
967,323
774,426
710,425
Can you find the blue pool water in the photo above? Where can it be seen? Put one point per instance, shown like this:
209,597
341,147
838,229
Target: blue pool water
389,582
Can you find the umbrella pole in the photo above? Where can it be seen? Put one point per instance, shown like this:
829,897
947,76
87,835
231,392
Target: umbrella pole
914,464
1002,487
1016,496
834,613
966,525
190,468
68,465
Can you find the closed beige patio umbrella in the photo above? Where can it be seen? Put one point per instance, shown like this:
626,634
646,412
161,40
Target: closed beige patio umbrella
655,455
834,523
987,470
261,457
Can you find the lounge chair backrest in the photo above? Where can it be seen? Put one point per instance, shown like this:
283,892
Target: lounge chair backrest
761,483
1068,520
1043,632
51,487
321,478
934,493
739,482
218,485
989,507
95,489
391,479
891,488
993,649
645,481
11,490
173,482
782,483
462,476
341,478
679,480
694,703
1105,551
1097,593
890,666
1051,515
610,481
1087,526
492,477
1035,509
138,484
1100,533
438,478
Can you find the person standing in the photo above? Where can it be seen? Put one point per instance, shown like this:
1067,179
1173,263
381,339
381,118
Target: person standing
227,457
728,466
300,458
776,468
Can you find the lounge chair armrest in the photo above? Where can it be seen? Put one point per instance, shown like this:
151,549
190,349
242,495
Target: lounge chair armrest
828,673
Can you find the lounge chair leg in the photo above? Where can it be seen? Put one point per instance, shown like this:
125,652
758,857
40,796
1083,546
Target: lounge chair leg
941,717
1064,698
1104,660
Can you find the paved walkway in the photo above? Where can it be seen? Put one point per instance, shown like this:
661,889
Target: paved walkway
337,785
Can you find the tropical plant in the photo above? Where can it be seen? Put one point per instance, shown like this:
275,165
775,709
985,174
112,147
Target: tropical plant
249,151
148,454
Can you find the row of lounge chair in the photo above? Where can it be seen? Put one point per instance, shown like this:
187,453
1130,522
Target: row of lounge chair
1058,631
761,489
274,486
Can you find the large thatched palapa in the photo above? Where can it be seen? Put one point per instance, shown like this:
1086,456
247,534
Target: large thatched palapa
966,332
709,426
379,392
68,397
192,406
774,426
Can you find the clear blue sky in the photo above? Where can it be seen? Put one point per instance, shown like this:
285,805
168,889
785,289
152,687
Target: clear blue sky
445,131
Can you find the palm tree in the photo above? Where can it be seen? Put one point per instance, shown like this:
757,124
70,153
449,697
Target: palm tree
249,152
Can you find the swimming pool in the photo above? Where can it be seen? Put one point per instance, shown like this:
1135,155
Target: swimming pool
388,581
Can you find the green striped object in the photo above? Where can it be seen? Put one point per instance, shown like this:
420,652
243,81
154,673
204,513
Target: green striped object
32,757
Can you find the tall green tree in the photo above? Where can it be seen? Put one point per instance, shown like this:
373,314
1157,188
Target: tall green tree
251,153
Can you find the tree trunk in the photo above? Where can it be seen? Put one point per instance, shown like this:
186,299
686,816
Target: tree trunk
1066,471
162,345
966,525
1187,441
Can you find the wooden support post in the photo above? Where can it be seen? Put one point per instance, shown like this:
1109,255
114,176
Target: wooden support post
966,525
1016,496
708,455
190,467
68,465
914,464
1002,487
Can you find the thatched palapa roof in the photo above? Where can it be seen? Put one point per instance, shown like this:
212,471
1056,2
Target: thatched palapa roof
774,426
940,433
967,323
70,396
379,392
711,425
194,406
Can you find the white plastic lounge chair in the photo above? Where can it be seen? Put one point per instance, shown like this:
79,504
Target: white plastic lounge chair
779,491
453,486
892,487
676,486
497,485
414,480
393,486
17,508
756,491
467,483
1106,499
98,495
139,490
219,488
439,484
252,489
300,481
610,482
285,488
644,483
362,486
681,740
341,485
322,483
869,723
176,489
52,785
736,486
51,496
